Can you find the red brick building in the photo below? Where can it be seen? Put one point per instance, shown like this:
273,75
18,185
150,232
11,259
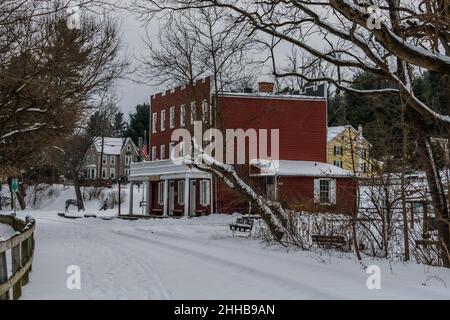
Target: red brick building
297,173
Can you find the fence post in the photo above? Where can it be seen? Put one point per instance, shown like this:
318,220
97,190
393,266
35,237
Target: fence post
24,258
30,249
16,265
3,274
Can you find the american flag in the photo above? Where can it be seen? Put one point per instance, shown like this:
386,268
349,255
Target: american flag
144,149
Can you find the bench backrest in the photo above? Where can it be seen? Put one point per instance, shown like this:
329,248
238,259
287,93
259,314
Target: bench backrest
246,221
327,238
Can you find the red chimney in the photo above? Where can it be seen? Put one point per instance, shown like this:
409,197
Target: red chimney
266,87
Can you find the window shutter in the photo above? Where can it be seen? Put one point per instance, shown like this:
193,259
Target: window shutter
334,150
317,190
333,191
208,192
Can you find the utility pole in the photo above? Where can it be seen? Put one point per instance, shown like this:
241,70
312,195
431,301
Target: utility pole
120,190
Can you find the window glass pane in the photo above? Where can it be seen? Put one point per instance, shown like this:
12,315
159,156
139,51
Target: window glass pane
325,191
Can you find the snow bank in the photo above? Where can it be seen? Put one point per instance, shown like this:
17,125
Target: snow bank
6,232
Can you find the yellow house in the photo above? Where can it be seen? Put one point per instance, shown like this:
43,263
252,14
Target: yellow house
348,149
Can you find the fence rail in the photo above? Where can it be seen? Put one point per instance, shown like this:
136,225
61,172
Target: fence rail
21,246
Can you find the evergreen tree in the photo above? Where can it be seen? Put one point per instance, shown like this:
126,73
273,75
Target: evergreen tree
119,125
139,122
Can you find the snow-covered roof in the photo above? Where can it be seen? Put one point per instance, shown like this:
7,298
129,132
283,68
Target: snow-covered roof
334,131
298,168
113,146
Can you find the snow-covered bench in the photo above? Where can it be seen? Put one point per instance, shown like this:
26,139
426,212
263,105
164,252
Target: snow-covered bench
330,241
242,224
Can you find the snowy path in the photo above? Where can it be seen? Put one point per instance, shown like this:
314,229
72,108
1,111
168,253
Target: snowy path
198,259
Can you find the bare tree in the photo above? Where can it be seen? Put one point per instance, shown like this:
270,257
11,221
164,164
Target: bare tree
100,124
49,77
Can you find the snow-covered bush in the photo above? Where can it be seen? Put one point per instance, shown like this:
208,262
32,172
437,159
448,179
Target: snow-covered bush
36,194
92,193
302,226
112,198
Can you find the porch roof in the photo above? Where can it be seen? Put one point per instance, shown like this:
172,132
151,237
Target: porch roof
298,169
170,168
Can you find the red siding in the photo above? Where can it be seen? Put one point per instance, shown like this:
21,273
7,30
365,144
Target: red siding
302,123
175,98
299,192
303,130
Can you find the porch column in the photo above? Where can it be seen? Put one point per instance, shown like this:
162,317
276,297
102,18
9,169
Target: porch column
147,197
130,201
211,195
166,197
186,197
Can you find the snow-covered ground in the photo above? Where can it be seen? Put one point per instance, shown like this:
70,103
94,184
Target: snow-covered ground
6,232
200,259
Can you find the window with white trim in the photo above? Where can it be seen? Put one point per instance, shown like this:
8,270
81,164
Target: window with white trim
154,156
104,159
182,115
181,192
154,122
104,173
127,160
162,152
112,173
127,172
337,163
92,173
161,192
172,118
113,160
338,150
325,191
128,148
324,196
204,193
163,120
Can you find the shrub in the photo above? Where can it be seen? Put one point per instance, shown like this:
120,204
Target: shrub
112,198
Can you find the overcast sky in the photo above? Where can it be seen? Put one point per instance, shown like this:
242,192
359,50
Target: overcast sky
133,32
129,92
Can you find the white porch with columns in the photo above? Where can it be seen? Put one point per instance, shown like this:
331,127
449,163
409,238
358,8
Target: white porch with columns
165,171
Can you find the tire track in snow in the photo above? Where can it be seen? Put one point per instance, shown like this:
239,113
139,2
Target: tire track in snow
238,267
151,274
104,263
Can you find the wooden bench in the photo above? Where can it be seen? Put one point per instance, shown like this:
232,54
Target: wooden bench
242,224
426,243
330,241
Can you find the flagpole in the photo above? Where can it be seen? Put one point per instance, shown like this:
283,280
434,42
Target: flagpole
146,142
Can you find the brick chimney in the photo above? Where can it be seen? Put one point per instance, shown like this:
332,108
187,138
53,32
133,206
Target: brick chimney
266,87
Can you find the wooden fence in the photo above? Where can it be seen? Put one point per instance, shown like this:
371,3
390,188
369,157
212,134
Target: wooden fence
21,246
